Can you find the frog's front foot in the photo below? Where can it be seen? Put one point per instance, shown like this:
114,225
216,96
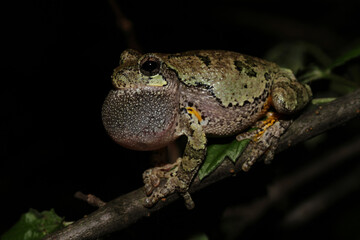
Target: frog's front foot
264,140
165,180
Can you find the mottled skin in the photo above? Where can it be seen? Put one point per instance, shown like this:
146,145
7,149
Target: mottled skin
159,97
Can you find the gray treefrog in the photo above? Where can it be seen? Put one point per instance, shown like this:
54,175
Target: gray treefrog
160,97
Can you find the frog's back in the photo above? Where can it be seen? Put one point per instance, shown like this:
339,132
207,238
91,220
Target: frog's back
229,90
231,77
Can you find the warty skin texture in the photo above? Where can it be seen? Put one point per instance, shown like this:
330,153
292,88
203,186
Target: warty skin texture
159,97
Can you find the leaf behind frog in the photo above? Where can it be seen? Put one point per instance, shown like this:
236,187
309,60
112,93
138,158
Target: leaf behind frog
217,153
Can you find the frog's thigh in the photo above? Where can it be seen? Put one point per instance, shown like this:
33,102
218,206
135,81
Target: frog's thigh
288,95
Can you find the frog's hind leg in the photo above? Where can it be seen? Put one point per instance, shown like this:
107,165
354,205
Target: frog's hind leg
264,139
287,94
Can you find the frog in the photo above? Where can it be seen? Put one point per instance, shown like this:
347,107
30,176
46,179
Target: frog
159,97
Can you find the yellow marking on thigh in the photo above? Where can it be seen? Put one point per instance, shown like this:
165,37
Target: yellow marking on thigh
192,110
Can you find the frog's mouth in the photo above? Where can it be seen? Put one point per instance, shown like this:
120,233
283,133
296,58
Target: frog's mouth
140,119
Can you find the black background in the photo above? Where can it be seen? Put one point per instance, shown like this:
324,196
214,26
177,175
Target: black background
58,57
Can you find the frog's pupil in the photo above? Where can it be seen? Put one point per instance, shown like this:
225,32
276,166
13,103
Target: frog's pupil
150,67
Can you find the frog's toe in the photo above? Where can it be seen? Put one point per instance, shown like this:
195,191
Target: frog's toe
257,149
265,145
189,203
166,187
270,153
153,197
150,201
151,180
247,135
153,176
160,182
149,188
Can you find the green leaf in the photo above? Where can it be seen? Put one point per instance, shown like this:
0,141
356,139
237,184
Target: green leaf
218,152
34,226
312,74
349,55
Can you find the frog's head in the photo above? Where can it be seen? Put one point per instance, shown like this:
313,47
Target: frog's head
142,112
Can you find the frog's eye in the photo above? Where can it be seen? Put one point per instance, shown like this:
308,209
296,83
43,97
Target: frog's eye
150,66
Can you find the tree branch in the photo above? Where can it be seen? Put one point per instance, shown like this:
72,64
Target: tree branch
127,209
240,218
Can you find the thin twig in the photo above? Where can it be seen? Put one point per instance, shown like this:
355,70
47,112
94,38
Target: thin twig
125,25
90,199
